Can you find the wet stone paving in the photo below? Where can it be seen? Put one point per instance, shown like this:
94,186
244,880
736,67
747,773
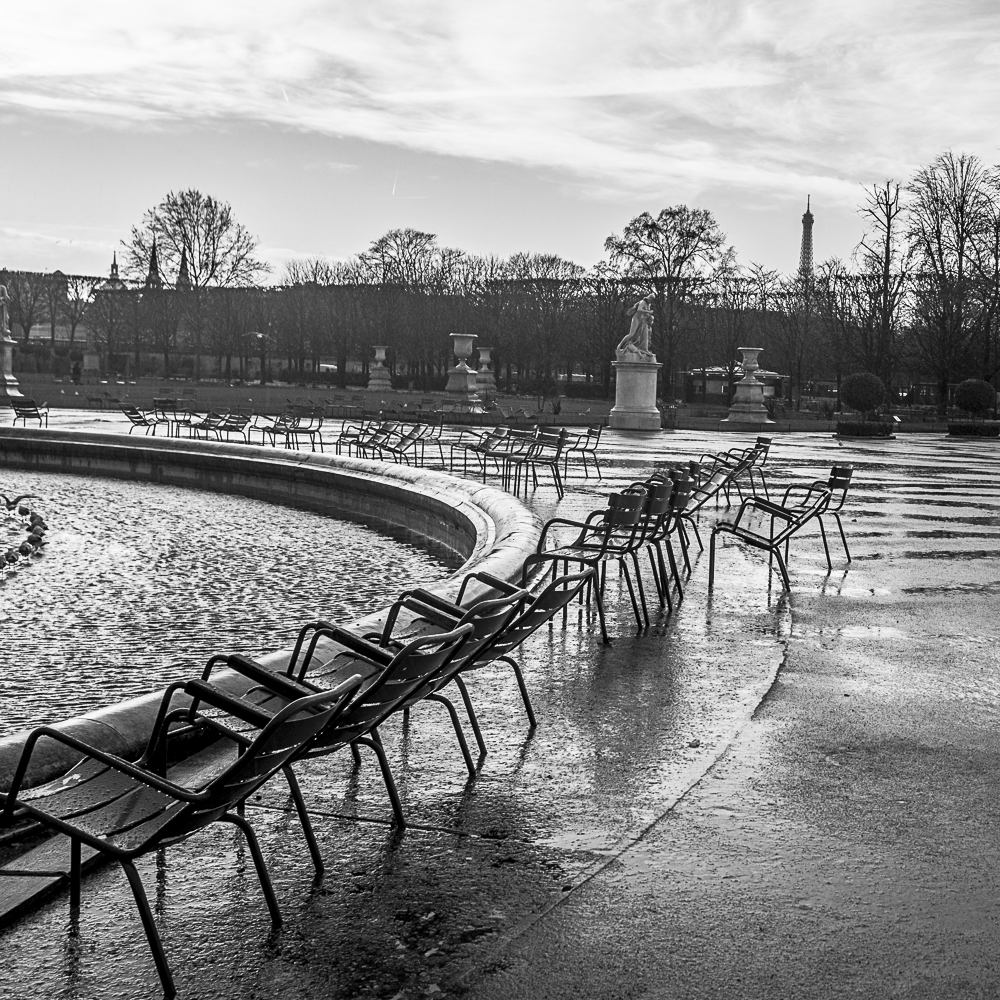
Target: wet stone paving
747,799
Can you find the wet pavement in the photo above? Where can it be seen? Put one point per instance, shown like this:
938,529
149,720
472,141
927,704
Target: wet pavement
764,795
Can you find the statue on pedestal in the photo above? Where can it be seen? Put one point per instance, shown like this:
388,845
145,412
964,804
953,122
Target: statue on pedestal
635,344
4,310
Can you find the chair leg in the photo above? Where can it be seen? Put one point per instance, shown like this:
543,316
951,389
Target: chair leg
259,864
783,568
642,589
843,537
149,926
697,533
458,730
826,548
471,712
511,662
599,601
631,593
75,871
711,561
300,807
387,778
656,575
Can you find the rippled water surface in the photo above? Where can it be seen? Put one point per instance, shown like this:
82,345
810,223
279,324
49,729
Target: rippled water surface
139,584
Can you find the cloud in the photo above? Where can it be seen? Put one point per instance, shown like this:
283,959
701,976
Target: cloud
626,95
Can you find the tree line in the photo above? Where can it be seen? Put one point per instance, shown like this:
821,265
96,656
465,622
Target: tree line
917,302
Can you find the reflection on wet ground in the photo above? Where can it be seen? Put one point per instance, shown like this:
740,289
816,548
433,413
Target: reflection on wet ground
625,732
140,583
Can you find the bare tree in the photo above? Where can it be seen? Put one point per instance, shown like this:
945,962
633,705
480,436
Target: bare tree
79,291
200,245
677,253
951,202
27,291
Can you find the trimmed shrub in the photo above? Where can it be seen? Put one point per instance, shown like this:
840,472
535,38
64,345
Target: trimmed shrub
862,391
975,396
979,428
864,428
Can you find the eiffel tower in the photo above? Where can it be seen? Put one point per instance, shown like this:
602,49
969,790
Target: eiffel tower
806,250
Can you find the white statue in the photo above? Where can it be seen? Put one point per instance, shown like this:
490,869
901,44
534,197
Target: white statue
636,342
4,310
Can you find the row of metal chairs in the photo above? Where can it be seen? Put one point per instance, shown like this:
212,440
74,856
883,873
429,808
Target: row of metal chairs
337,690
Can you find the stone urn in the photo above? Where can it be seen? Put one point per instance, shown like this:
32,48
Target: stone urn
485,379
462,378
378,375
748,407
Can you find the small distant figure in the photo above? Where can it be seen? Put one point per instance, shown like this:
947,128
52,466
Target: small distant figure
636,341
77,373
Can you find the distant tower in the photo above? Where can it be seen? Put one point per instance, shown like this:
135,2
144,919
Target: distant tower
153,279
183,278
806,250
114,266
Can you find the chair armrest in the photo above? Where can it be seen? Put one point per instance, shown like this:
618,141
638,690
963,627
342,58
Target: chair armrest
237,707
495,582
111,760
280,683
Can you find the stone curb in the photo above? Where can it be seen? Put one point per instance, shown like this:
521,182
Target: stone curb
492,530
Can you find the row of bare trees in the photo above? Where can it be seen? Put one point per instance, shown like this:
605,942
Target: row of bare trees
919,301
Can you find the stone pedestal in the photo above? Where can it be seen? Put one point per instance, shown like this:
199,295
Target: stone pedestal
486,382
8,384
748,409
635,394
462,379
379,378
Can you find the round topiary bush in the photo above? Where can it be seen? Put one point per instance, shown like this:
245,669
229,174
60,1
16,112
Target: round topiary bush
974,396
862,391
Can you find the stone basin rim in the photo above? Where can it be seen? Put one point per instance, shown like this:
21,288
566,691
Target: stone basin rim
491,529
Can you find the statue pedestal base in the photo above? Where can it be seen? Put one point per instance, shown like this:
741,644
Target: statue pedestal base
635,395
748,408
379,379
462,381
8,384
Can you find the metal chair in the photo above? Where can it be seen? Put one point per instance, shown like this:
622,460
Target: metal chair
125,810
584,448
28,409
794,516
138,418
610,534
531,612
388,683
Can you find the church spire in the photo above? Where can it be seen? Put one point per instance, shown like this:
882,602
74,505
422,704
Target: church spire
183,278
114,264
806,249
153,279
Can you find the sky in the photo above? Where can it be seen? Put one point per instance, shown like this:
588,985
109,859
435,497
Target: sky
499,125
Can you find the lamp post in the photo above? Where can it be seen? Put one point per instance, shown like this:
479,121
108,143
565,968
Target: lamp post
261,340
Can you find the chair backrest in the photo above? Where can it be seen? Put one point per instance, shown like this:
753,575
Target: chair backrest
413,668
559,593
277,744
839,483
163,408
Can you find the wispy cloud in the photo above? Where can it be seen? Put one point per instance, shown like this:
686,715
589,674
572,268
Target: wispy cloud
626,94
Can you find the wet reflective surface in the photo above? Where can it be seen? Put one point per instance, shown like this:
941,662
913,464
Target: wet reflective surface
140,583
764,795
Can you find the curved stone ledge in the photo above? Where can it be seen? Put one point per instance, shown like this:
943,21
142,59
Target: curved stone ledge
491,530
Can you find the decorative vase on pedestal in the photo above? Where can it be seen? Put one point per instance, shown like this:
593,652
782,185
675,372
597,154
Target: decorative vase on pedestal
748,409
379,378
486,381
635,406
462,378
